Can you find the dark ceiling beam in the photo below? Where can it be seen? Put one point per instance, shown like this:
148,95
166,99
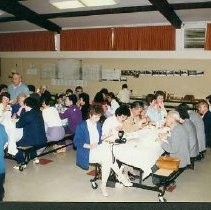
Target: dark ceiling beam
178,6
166,10
18,10
195,5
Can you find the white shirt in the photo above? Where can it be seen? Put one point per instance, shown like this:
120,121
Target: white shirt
111,109
124,95
93,132
51,117
109,127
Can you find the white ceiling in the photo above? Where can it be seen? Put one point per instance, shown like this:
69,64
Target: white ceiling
123,19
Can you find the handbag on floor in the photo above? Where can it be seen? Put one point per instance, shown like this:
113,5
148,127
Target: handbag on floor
167,162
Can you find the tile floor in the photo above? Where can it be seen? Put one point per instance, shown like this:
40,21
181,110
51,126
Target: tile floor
62,181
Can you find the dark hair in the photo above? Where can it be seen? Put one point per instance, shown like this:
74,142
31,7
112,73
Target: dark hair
6,94
3,86
85,97
122,110
124,86
68,91
95,109
60,95
99,98
73,98
111,94
160,93
183,111
104,91
48,101
203,102
209,98
31,102
31,88
137,104
150,98
78,87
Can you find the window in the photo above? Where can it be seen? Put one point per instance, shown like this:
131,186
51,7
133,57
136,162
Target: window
194,38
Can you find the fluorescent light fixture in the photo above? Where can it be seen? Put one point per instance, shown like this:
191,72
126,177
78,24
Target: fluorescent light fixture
1,12
97,3
66,4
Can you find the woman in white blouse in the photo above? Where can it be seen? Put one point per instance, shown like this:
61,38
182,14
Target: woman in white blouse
113,104
91,148
53,123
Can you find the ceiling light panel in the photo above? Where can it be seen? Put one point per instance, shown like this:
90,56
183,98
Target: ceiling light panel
66,4
97,3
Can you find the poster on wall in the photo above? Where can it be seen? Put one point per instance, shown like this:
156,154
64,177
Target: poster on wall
92,72
69,69
31,70
140,73
111,75
48,71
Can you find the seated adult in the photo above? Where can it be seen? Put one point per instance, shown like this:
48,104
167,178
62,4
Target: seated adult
4,103
73,113
156,110
68,92
60,102
3,88
113,104
33,129
100,100
203,109
177,144
44,93
199,124
84,105
18,108
90,148
114,124
191,130
33,94
134,122
53,123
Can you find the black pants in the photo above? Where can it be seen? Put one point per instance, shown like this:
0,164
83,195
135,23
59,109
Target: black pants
20,156
2,179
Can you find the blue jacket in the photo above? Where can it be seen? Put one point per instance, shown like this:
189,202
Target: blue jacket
33,129
82,137
3,140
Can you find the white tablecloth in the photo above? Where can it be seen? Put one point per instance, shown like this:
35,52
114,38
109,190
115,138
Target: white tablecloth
14,134
141,150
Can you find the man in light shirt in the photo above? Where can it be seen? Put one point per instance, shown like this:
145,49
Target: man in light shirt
124,94
17,87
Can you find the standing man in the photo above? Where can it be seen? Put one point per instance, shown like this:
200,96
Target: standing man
124,94
17,87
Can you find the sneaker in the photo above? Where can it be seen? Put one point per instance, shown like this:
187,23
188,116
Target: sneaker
118,185
36,161
16,167
125,181
104,191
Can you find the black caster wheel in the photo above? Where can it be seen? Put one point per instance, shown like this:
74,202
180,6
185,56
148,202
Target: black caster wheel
94,185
